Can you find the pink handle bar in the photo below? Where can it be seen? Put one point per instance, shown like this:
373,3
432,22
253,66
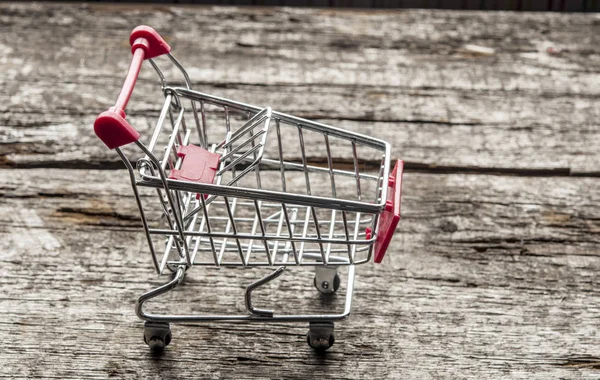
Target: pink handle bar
110,126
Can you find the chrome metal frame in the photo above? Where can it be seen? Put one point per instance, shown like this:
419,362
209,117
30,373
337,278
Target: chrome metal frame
203,224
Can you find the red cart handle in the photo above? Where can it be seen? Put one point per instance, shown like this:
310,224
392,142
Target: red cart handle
389,218
110,126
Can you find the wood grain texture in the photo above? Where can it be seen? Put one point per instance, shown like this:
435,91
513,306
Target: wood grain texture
509,5
406,77
490,275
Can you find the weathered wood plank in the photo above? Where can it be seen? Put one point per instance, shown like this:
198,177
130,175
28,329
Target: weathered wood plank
276,46
402,76
488,276
44,137
509,5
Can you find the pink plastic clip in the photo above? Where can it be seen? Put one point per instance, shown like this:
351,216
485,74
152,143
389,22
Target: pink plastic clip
198,165
389,218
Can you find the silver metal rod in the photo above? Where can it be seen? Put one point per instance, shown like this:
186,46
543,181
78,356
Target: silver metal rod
266,195
178,278
356,171
305,239
208,228
159,123
248,294
280,151
308,124
319,237
140,207
231,224
260,117
290,226
239,159
306,176
317,169
242,145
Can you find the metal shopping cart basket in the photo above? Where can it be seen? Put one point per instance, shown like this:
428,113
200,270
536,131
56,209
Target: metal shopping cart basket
238,186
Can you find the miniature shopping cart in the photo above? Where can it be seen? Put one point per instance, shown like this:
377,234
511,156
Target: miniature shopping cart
226,184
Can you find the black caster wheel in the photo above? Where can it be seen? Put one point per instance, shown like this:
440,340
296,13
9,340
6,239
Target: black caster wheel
157,335
325,287
320,336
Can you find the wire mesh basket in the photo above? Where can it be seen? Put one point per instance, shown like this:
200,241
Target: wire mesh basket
237,185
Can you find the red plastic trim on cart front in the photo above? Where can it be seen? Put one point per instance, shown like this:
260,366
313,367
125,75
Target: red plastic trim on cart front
389,218
110,126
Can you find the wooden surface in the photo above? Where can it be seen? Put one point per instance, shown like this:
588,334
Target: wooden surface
507,5
492,274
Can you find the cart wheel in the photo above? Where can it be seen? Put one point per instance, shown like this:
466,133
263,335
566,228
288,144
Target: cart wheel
324,286
320,335
157,335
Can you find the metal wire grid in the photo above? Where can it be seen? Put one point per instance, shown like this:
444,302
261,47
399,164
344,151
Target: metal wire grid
249,220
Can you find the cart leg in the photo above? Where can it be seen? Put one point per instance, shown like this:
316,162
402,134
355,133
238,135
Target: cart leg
248,296
139,305
320,335
157,335
327,279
